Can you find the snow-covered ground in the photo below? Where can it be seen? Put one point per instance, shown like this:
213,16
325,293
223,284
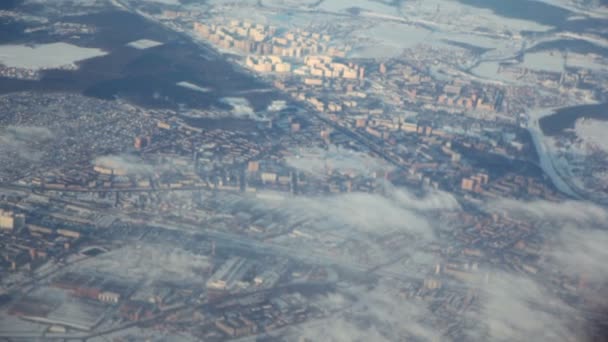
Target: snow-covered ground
560,162
388,39
593,133
490,71
143,44
46,56
544,61
341,6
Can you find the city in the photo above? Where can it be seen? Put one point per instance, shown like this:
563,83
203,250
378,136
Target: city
223,173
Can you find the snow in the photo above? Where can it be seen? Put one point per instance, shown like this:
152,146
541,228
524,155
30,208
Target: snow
143,44
576,7
545,61
390,39
488,70
592,132
46,56
461,16
391,34
341,6
584,61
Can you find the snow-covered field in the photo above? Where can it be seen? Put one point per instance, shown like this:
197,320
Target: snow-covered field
544,61
143,44
45,56
372,6
593,133
388,39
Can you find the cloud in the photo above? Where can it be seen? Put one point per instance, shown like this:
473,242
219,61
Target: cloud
566,211
23,140
376,314
582,252
575,232
575,236
241,107
134,165
29,133
516,308
125,163
433,200
392,234
396,211
153,262
318,161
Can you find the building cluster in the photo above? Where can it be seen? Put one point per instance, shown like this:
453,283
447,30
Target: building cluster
267,64
261,39
20,73
26,246
317,68
132,178
234,296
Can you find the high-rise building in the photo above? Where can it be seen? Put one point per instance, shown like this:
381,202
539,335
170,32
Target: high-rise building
253,166
467,184
382,68
9,220
361,73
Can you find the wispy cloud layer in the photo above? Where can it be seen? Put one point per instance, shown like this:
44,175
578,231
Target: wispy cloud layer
517,308
376,314
152,262
126,163
319,161
23,140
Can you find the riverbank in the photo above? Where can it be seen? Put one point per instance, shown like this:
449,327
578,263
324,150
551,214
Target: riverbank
546,154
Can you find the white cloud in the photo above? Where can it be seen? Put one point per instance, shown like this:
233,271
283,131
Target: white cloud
22,140
583,252
318,161
151,262
125,163
377,314
134,165
376,214
576,233
516,308
566,211
433,200
29,133
575,238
